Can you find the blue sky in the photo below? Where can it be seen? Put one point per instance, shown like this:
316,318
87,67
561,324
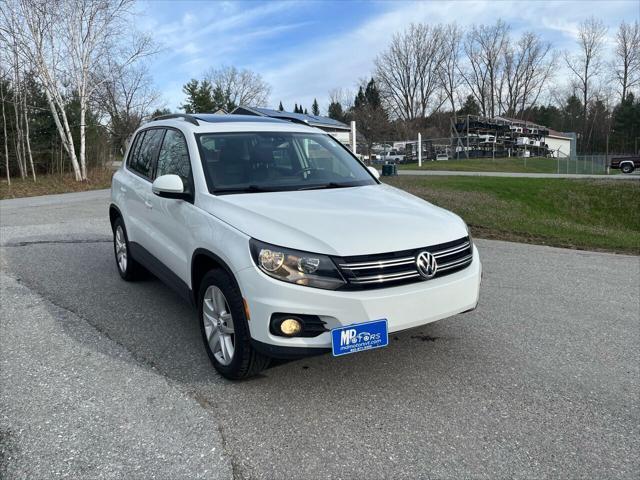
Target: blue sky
306,48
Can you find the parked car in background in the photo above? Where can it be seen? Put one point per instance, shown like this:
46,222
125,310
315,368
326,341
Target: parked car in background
442,156
625,164
393,156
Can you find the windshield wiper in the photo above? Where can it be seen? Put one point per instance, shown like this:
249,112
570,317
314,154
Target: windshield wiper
325,185
247,189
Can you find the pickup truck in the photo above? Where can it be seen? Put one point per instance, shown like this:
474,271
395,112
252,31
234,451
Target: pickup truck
626,164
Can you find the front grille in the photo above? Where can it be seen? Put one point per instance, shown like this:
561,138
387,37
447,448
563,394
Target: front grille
391,269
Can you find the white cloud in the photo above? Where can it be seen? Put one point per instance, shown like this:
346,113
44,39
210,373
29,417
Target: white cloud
301,71
311,70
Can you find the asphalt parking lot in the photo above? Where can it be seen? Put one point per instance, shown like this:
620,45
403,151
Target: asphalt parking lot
104,379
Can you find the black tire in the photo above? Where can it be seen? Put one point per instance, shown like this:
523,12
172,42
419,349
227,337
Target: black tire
131,270
246,361
627,168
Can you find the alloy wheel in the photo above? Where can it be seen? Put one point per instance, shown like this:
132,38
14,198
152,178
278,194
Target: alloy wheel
121,249
218,325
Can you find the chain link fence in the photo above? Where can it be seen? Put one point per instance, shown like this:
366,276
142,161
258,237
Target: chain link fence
583,164
484,155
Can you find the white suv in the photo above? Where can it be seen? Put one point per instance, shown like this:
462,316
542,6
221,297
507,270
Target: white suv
285,242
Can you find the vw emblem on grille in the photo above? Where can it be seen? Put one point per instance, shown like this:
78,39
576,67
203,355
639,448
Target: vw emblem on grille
426,264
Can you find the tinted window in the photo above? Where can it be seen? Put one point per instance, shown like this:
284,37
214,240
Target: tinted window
258,161
174,157
142,160
135,146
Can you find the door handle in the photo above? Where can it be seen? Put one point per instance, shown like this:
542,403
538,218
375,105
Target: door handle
148,204
123,190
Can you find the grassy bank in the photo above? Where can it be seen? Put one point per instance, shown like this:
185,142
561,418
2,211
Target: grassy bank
513,164
48,184
585,214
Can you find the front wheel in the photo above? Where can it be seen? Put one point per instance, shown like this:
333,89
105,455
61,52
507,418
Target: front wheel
627,168
128,268
225,330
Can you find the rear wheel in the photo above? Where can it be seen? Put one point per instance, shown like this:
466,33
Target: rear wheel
225,330
627,168
128,268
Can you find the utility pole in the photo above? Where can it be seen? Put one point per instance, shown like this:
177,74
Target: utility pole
606,158
353,136
467,137
419,149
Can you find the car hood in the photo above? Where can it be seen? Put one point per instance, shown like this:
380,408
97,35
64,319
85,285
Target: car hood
341,221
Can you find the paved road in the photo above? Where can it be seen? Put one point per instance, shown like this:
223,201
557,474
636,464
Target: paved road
441,173
542,381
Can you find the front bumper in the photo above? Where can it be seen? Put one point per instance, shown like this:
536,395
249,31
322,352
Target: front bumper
403,306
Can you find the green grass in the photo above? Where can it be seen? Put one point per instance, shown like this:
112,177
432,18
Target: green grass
48,184
589,214
513,164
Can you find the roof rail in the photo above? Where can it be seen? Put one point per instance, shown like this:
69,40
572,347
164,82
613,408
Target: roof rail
293,119
185,116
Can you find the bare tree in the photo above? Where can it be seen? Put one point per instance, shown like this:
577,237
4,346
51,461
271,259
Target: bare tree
33,24
626,65
240,87
343,96
92,31
68,42
25,111
11,47
484,48
527,67
126,99
407,72
4,125
587,63
450,66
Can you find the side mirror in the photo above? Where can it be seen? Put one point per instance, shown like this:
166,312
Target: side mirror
169,186
374,172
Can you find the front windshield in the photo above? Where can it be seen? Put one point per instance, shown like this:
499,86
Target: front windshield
277,161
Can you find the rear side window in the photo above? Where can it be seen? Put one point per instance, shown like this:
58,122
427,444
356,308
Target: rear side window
174,158
144,152
135,146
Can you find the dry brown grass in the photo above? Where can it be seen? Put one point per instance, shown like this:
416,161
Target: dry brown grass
48,184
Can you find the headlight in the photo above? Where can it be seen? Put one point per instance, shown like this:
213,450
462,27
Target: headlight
295,266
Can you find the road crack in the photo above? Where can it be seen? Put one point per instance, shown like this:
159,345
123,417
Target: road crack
237,472
55,242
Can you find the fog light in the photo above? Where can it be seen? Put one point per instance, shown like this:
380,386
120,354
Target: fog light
290,327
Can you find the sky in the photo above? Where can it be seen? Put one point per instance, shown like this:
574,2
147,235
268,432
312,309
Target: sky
303,49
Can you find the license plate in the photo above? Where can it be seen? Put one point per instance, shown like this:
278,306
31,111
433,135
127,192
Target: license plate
359,337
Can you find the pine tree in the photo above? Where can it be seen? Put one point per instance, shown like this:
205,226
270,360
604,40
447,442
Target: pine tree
360,99
280,107
572,114
371,118
221,100
315,108
199,97
470,107
372,95
305,112
626,125
295,108
335,111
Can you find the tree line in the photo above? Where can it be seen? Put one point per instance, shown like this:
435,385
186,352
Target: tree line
75,84
431,73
